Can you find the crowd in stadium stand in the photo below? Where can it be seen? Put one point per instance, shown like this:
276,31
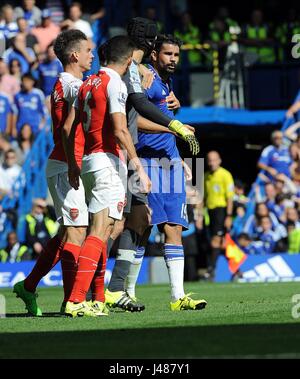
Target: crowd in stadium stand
29,68
274,226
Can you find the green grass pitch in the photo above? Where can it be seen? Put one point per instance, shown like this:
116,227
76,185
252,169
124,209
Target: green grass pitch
241,320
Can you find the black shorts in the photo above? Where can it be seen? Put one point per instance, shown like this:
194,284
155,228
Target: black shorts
217,218
134,199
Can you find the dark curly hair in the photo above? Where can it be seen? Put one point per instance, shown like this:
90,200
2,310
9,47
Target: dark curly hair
66,42
168,39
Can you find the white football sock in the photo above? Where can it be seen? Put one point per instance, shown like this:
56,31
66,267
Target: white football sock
134,271
174,258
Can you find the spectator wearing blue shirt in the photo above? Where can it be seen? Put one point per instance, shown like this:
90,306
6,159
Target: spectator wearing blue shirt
249,246
49,70
252,225
5,114
30,12
268,237
19,51
278,196
8,26
266,241
275,159
29,106
274,199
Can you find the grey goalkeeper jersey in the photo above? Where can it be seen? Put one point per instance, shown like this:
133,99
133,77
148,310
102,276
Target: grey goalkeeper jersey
134,85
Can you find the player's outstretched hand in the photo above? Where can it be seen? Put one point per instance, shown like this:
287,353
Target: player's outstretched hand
74,175
187,133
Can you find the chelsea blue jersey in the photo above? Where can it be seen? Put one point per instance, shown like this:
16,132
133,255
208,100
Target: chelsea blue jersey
158,145
30,107
48,73
278,158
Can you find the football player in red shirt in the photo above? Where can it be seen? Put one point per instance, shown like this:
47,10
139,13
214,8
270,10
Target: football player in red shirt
102,110
74,51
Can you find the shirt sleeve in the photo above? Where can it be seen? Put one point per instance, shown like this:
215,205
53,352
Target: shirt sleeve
73,93
150,92
116,96
264,158
229,185
132,80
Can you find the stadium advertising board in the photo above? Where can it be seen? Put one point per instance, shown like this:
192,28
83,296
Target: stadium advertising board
11,273
265,268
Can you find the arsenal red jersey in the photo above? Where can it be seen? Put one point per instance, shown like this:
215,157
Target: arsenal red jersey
64,93
100,96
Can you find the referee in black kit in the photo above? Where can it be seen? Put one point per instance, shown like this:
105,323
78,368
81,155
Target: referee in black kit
218,198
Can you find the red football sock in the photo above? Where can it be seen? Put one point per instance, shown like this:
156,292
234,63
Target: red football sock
69,264
87,264
47,259
97,285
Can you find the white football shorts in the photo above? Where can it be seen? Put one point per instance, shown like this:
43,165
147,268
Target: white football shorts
70,206
105,189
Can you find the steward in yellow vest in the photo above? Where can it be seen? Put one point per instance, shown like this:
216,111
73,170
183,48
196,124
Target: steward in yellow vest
257,39
14,251
189,34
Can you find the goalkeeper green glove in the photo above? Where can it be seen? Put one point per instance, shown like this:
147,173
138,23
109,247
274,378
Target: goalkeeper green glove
186,134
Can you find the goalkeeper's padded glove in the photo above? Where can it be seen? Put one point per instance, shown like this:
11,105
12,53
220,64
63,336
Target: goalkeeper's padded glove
186,134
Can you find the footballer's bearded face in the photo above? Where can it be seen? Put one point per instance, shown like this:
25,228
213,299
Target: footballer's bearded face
166,60
85,55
